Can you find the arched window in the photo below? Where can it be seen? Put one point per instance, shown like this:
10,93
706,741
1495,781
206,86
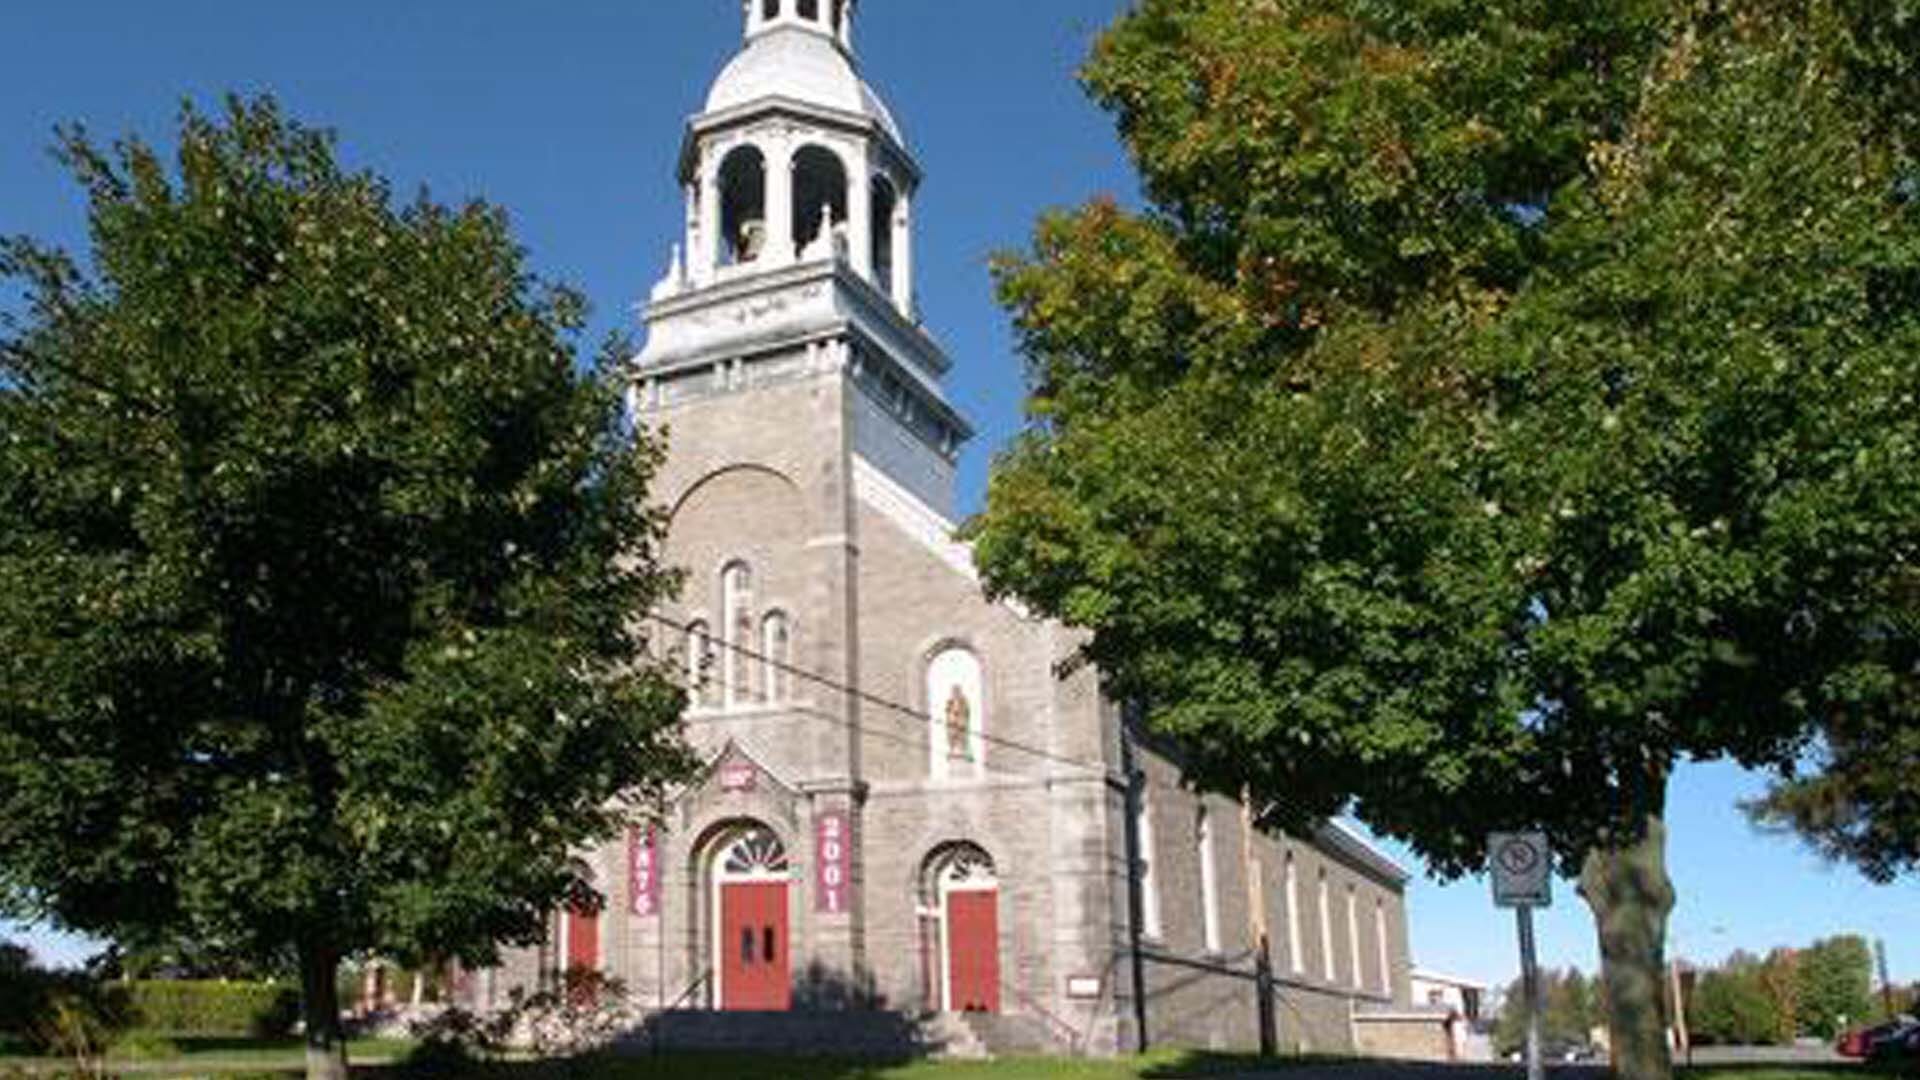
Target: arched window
955,712
819,199
884,202
700,673
743,205
769,10
1209,881
776,647
810,10
1294,957
736,606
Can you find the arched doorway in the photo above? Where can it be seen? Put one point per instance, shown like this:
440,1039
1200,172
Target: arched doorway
960,930
752,947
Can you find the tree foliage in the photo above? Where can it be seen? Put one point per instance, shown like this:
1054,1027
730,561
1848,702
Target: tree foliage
1835,985
1492,408
319,566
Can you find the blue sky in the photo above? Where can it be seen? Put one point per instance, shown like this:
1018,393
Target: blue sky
570,116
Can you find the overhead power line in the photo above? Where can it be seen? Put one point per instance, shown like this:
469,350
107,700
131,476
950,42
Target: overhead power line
870,698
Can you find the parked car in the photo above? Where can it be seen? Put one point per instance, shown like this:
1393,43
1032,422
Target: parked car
1900,1047
1860,1042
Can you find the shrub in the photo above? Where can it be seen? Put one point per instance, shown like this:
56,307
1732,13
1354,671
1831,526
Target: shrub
184,1007
143,1046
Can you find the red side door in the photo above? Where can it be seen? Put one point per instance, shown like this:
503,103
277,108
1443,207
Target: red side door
583,939
973,950
755,957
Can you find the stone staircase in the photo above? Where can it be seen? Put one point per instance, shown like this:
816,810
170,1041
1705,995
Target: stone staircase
871,1034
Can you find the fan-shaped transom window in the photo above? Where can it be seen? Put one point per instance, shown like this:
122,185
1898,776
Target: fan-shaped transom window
753,852
954,867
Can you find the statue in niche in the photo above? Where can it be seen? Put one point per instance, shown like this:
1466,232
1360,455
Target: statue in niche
959,725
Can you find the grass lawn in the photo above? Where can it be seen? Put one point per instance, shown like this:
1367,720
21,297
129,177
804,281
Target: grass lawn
378,1060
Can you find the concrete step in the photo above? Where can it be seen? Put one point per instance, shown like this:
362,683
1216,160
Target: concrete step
1012,1034
868,1034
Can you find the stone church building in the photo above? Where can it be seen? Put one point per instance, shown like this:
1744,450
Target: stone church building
908,808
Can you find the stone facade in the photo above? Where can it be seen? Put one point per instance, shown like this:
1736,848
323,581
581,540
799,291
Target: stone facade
850,680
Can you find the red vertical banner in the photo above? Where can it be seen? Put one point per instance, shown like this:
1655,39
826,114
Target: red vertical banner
832,863
643,871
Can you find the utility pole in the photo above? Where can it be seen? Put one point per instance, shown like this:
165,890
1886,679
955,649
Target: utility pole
1258,929
1136,903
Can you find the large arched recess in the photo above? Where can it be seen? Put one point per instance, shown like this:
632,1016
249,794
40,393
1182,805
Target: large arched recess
740,514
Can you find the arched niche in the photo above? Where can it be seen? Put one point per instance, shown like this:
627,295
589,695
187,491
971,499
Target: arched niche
819,198
743,205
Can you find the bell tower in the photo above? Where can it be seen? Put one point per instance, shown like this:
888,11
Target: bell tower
797,252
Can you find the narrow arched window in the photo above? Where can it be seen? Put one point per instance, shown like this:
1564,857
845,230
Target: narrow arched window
769,10
1294,957
700,673
1327,965
776,650
736,606
1209,881
810,10
1144,860
1353,935
1380,942
955,712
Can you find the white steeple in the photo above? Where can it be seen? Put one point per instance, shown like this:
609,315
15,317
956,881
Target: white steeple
795,159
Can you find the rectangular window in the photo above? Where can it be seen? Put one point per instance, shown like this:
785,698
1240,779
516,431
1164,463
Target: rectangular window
1209,883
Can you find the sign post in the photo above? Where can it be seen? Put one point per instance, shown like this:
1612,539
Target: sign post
1522,865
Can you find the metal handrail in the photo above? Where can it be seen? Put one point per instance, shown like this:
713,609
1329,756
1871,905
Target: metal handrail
698,981
1054,1021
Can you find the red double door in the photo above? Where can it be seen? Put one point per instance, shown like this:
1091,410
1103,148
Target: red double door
755,951
973,951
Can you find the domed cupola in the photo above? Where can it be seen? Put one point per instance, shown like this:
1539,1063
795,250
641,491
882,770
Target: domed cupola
795,159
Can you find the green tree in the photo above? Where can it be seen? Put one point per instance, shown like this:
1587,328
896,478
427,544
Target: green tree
1835,985
320,562
1860,803
1567,1020
1731,1006
1492,408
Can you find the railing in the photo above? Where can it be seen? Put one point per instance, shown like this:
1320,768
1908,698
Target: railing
693,988
1061,1031
653,1029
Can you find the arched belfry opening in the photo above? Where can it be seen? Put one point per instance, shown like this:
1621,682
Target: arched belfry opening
810,10
819,200
769,9
884,202
743,205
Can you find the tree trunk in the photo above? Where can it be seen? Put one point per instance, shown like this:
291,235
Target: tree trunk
1630,894
320,1008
